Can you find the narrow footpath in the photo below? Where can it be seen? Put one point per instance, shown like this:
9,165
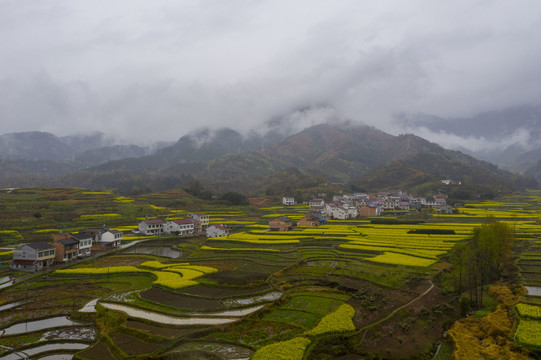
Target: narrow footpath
392,313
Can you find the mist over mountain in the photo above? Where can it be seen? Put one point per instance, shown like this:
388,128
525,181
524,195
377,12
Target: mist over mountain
86,150
356,156
509,138
275,156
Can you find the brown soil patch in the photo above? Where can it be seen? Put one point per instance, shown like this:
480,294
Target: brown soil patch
180,301
349,357
220,267
98,351
374,302
134,346
158,330
216,292
239,278
412,329
260,202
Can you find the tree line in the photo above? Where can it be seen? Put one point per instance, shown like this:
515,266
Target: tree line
486,257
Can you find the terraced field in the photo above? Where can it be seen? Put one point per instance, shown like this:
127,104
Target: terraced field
313,293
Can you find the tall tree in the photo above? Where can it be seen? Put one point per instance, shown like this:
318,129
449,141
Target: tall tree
485,258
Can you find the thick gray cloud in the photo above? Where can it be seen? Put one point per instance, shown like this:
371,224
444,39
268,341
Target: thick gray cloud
155,70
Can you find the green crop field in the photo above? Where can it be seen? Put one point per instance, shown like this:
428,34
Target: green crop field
345,287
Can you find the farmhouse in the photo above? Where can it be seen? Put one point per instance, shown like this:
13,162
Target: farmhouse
151,227
103,237
202,221
183,227
288,201
311,219
281,223
111,238
216,231
370,210
83,249
67,248
85,244
339,213
446,209
317,203
33,257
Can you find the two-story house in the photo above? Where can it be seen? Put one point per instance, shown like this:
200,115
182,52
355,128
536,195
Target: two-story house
217,231
339,213
311,219
111,238
67,248
281,223
85,244
184,227
370,210
84,248
288,201
203,219
102,238
33,257
151,227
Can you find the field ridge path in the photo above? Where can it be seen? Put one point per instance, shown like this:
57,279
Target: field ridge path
392,313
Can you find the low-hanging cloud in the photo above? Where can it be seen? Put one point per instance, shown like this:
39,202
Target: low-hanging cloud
520,138
146,71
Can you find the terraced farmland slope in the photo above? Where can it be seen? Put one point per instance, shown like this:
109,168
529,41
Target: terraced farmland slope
358,288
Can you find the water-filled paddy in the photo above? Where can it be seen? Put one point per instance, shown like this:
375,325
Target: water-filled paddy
43,348
37,325
533,290
158,250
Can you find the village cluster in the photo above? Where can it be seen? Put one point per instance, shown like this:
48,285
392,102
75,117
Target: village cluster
349,206
68,246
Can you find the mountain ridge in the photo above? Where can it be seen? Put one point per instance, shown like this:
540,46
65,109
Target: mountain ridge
346,153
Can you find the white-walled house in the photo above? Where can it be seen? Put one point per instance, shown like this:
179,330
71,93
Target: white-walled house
339,213
85,244
203,219
316,203
111,237
151,227
288,201
104,237
33,257
183,227
216,231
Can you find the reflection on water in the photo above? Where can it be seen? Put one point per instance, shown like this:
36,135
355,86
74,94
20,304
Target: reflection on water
534,291
37,325
24,354
57,357
210,318
274,295
71,333
90,307
158,250
11,305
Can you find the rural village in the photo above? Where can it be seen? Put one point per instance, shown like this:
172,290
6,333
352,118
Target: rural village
68,246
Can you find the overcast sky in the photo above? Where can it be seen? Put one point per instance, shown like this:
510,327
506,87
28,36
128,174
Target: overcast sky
155,70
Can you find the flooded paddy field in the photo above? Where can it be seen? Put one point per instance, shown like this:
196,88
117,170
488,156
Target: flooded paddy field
149,249
229,298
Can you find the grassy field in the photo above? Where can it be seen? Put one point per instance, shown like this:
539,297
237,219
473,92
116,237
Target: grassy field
337,285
